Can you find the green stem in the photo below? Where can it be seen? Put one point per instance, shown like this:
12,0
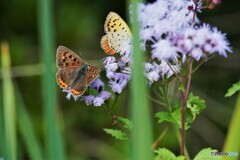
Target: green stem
157,141
179,140
183,104
156,101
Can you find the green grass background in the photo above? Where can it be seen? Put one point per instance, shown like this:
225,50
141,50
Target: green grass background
36,120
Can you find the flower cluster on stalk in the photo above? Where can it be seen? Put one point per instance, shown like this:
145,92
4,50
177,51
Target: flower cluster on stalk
173,34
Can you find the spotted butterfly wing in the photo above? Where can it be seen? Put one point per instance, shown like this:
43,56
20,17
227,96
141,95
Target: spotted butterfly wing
117,34
92,73
66,58
73,73
114,23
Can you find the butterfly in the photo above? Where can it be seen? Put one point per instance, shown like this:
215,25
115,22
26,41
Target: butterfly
74,75
117,34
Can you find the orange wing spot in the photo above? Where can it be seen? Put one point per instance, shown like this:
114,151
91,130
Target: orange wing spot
105,46
61,83
74,92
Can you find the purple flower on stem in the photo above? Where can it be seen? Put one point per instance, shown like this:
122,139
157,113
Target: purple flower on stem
97,84
88,99
98,101
105,95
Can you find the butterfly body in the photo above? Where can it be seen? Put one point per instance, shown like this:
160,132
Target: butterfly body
73,73
117,34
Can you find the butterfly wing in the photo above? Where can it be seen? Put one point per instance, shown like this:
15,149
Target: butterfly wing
114,23
71,71
117,33
65,77
79,83
65,58
114,42
92,73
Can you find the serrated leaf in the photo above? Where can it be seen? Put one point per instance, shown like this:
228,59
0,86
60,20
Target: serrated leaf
117,134
164,116
164,154
206,154
194,106
176,114
233,89
126,122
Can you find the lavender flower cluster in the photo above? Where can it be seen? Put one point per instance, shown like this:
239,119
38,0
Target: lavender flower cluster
117,73
175,36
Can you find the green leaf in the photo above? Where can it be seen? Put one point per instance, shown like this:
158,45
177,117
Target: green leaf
172,117
118,134
165,154
126,122
233,89
194,106
206,154
180,158
164,116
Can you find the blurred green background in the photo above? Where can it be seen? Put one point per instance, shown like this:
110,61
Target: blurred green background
78,24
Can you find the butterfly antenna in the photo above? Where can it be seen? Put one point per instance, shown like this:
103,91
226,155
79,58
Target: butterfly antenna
81,56
102,67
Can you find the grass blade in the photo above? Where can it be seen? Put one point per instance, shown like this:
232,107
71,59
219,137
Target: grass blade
232,143
142,130
26,129
53,137
8,105
2,136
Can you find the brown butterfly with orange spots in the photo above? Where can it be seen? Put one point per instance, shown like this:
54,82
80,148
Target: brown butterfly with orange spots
117,34
73,73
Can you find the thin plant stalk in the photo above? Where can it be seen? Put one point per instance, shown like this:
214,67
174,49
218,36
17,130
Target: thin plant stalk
27,130
53,139
141,134
183,104
8,105
232,142
2,136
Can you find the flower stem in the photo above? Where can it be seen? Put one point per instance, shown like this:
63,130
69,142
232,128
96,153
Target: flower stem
157,141
183,104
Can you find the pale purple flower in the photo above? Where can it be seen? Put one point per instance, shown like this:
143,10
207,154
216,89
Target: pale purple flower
124,61
119,82
69,95
110,75
168,69
111,67
148,67
196,53
88,99
163,50
147,34
109,60
115,87
98,101
97,84
153,76
220,43
105,95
